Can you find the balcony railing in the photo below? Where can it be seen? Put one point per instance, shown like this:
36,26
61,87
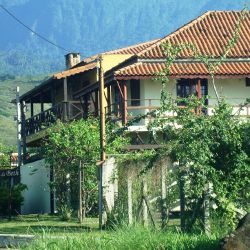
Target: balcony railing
118,111
65,111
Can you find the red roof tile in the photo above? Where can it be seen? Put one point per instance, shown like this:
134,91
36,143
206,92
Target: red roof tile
133,50
210,33
187,70
130,50
74,71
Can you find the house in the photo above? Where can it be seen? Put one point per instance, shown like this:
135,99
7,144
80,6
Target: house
129,86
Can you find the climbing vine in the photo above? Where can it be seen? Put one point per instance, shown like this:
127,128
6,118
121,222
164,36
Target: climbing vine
210,150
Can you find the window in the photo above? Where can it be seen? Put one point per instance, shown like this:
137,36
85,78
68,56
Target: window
135,92
188,87
247,82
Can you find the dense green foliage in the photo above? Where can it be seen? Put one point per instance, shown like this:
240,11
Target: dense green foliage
88,27
210,149
13,196
67,145
5,152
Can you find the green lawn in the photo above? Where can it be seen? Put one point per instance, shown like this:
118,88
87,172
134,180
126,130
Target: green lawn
87,236
36,224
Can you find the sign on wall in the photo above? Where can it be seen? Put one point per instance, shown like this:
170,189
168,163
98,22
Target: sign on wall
9,172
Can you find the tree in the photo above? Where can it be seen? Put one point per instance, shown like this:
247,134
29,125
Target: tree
70,145
66,146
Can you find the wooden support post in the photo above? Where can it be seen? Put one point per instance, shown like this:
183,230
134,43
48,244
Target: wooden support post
65,98
102,141
96,102
86,106
83,192
42,102
31,108
182,200
23,131
198,87
207,226
52,94
19,127
102,113
65,89
130,199
125,98
163,195
80,192
144,204
109,99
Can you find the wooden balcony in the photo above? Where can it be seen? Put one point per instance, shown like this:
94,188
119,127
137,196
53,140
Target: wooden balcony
122,111
64,111
130,109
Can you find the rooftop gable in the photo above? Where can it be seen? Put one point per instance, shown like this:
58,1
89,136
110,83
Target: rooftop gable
210,33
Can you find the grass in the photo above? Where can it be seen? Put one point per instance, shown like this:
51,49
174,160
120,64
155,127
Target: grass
87,236
127,238
36,224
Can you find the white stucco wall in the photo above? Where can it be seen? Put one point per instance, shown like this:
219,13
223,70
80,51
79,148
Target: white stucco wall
234,90
109,182
37,198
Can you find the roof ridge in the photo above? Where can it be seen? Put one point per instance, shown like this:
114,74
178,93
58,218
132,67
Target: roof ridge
128,67
131,46
184,27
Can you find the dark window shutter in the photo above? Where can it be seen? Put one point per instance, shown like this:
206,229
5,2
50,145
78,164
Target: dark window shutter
135,92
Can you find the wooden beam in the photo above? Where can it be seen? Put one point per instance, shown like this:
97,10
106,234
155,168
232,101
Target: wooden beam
31,108
52,94
125,103
102,112
102,141
109,98
41,101
65,98
96,102
120,89
198,88
65,89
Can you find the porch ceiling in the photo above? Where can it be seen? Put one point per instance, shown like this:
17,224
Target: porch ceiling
183,70
55,79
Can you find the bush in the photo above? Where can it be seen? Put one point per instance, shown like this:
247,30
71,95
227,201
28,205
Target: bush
16,198
65,212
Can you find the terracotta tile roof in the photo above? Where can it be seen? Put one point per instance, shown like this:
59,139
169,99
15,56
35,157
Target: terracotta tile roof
130,50
185,70
74,71
210,33
133,50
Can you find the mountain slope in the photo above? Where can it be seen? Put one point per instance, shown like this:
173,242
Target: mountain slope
89,27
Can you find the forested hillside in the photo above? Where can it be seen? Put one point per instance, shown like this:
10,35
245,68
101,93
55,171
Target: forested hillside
85,26
8,85
88,26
